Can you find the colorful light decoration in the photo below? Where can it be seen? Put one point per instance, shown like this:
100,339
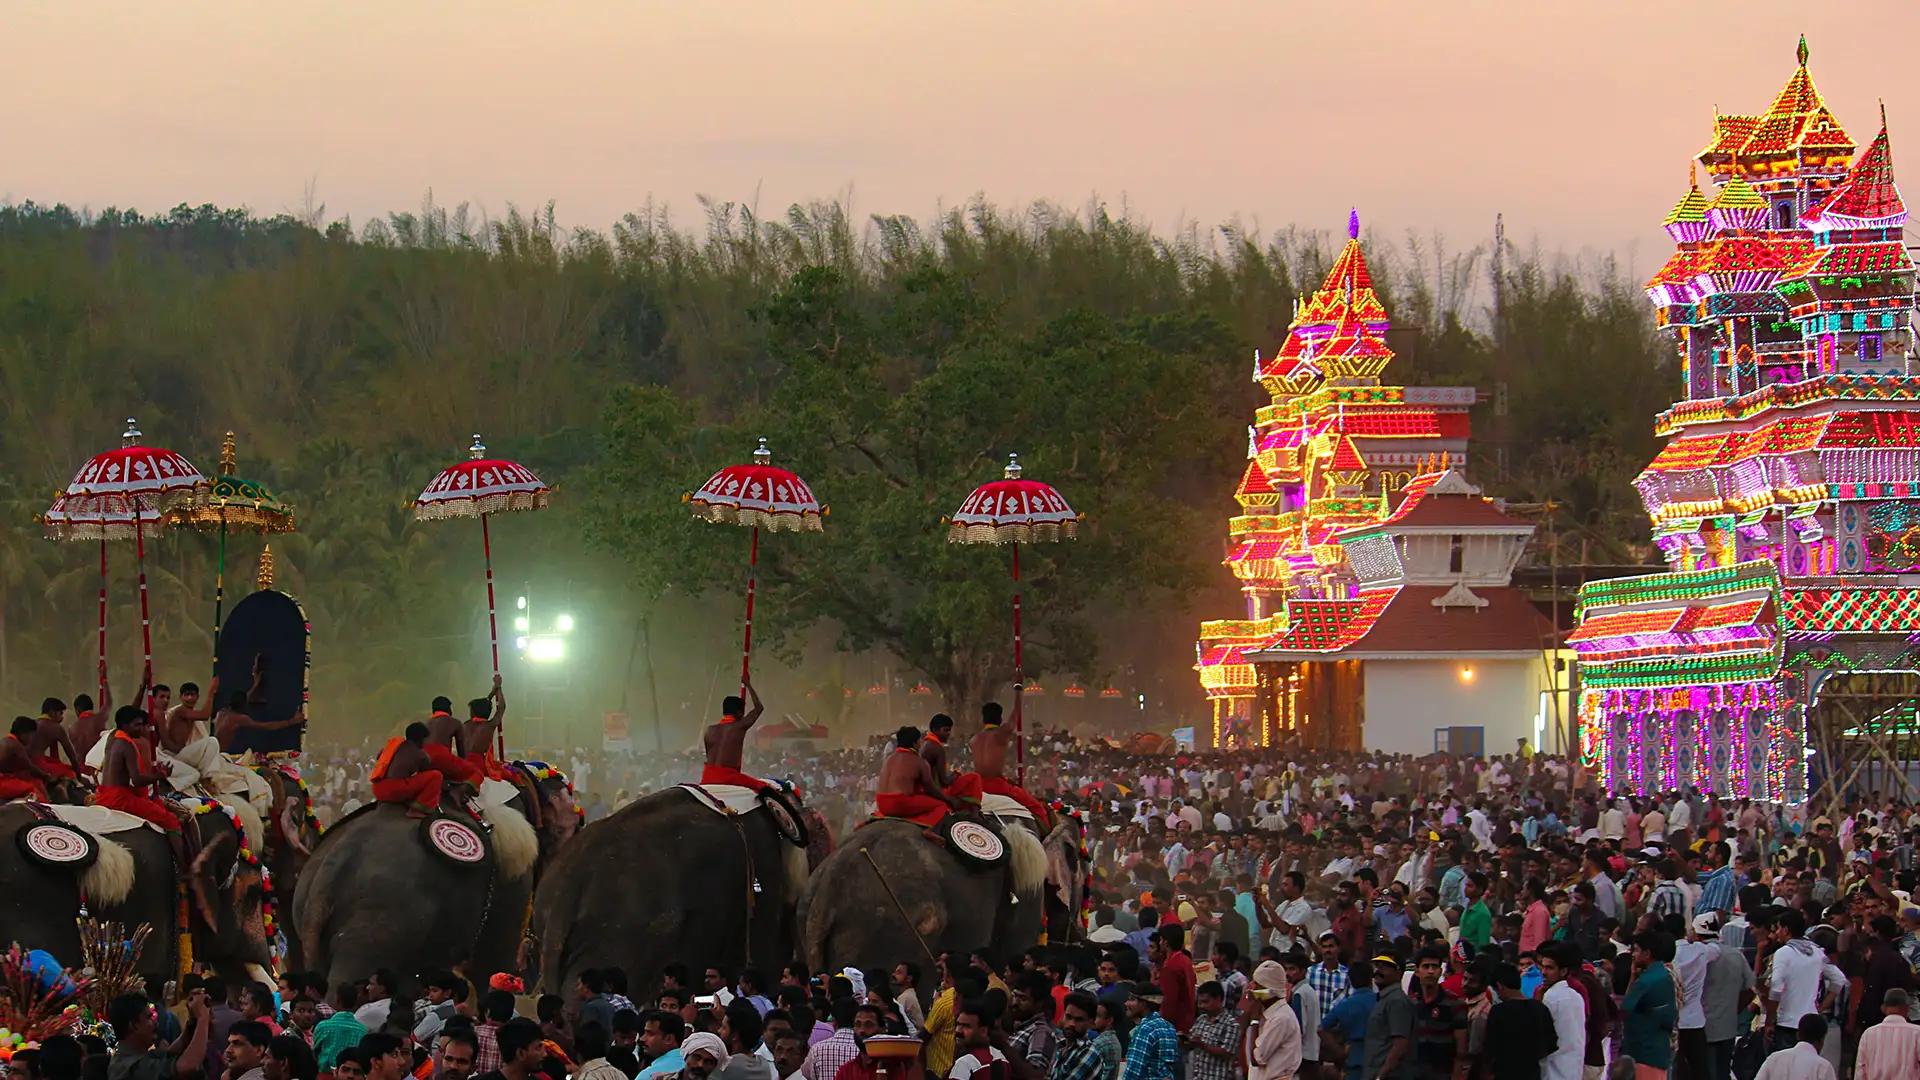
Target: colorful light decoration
1791,461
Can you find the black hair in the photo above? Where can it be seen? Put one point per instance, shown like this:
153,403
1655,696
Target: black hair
1228,949
158,688
464,1034
669,1023
127,1010
1794,920
61,1057
189,688
1506,976
24,725
1211,988
548,1008
480,708
990,713
127,716
1431,952
594,980
1813,1028
907,737
417,732
1080,999
590,1041
497,1006
442,704
514,1036
378,1043
81,703
745,1023
940,720
353,1054
253,1032
53,704
442,980
616,980
731,705
1658,943
1173,936
626,1022
346,993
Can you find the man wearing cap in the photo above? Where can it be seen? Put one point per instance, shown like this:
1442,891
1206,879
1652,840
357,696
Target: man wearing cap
1273,1032
1390,1027
1728,988
1153,1052
1890,1049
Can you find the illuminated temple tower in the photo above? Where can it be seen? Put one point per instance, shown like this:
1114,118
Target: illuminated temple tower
1787,498
1358,544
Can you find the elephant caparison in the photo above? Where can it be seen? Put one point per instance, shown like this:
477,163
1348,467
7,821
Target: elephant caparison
667,880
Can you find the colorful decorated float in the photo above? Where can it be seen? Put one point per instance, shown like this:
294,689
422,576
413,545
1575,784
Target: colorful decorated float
1787,498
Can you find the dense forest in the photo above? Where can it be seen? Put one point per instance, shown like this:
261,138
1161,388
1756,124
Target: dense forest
892,361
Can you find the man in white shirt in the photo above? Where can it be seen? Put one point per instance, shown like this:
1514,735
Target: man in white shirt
1691,958
1890,1049
1481,827
1682,816
1556,959
1291,914
1801,1060
1613,823
1793,990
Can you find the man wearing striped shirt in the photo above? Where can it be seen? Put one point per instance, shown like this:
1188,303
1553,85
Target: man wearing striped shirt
1716,885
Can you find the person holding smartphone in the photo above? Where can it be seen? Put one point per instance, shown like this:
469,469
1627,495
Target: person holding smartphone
138,1057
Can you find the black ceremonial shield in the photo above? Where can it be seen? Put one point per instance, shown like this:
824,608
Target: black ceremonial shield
267,623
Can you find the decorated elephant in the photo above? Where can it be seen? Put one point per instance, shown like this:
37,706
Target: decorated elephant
57,860
291,833
385,890
890,893
678,876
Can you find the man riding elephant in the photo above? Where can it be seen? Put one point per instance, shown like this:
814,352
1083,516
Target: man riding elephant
21,776
910,787
478,735
48,740
726,742
403,774
989,746
964,787
443,748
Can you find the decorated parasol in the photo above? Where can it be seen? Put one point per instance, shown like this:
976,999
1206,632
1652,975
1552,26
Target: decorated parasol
761,496
1014,510
119,494
233,501
478,487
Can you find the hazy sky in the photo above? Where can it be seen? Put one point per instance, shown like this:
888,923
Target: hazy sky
1575,119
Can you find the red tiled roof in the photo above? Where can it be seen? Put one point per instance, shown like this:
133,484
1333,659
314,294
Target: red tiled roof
1890,430
1730,132
1868,193
1403,423
1254,481
1848,260
1329,625
1681,266
1410,496
1412,624
1798,118
1739,254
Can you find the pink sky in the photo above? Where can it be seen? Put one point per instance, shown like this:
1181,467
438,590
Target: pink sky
1576,120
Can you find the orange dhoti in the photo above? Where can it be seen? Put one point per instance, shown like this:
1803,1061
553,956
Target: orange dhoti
488,765
422,789
1000,785
727,774
139,804
924,810
452,767
22,787
56,768
966,787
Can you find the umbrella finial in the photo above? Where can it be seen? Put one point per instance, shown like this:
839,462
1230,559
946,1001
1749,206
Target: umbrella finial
478,450
130,436
1013,467
263,578
227,463
762,455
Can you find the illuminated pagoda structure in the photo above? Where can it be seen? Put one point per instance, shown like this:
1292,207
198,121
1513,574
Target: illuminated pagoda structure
1355,533
1787,499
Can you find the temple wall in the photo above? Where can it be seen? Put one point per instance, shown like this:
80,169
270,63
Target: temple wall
1407,700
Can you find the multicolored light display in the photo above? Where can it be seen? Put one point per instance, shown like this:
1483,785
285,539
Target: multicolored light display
1785,494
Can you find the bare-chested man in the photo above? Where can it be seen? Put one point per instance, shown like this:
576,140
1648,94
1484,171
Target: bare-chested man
180,726
443,747
989,746
478,735
127,777
90,721
48,741
726,743
963,787
20,776
229,722
908,787
405,775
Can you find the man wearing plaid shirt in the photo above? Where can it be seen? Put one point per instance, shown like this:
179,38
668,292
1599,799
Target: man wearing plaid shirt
1329,977
825,1057
1716,885
1074,1057
1154,1052
1033,1042
1668,898
1215,1036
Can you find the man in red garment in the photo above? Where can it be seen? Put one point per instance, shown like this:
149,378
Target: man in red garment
20,776
49,738
484,717
443,748
127,777
726,743
908,787
964,787
403,774
989,747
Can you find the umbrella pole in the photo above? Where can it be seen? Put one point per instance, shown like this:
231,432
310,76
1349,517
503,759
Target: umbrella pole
1019,680
493,627
103,615
746,643
146,626
219,591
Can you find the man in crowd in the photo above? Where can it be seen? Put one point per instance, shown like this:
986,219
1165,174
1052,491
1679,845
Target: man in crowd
403,775
137,1057
1890,1049
1173,969
1390,1027
1153,1051
1213,1041
909,787
1273,1034
725,742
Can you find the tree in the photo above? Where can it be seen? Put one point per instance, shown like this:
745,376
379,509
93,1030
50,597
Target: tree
894,398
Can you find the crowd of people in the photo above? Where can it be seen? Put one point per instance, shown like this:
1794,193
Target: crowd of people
1255,915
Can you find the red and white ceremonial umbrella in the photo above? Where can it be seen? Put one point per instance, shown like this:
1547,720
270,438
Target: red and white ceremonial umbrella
761,496
1014,510
478,487
119,494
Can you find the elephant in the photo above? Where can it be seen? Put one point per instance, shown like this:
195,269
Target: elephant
132,880
374,895
291,832
891,894
667,880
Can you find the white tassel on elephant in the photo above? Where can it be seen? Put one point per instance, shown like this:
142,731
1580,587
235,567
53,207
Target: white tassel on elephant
1029,860
109,881
514,841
